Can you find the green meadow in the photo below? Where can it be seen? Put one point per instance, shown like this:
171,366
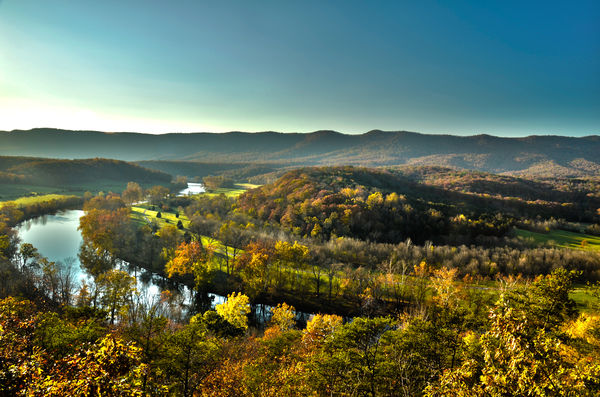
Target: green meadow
232,192
563,239
24,201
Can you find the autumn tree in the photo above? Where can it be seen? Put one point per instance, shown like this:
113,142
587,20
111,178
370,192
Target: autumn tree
111,367
283,316
235,310
156,194
191,259
106,232
519,359
133,193
256,268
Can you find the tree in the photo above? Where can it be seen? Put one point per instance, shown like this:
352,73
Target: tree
169,240
284,316
133,193
520,359
108,232
351,360
190,357
191,258
151,332
290,257
235,310
256,268
157,194
232,239
109,368
28,252
93,261
319,328
214,182
116,288
9,240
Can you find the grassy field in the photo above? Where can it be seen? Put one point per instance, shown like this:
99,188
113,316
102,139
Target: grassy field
232,192
563,238
143,216
23,201
586,302
9,192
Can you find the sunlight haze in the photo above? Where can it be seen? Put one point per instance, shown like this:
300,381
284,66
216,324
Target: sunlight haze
509,68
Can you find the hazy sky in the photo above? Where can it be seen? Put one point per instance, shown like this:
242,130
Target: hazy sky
503,68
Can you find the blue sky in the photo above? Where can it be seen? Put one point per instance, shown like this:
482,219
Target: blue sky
502,68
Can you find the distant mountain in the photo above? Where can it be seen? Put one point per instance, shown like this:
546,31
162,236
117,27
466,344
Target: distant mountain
533,155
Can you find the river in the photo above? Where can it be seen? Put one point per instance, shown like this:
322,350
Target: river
192,188
56,237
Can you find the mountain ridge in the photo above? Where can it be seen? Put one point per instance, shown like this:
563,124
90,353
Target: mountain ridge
534,154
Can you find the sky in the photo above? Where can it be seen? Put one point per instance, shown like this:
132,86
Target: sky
508,68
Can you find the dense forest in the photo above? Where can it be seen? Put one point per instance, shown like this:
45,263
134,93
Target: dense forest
393,205
393,281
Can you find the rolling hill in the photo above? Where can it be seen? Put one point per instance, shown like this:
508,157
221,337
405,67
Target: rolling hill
26,176
390,205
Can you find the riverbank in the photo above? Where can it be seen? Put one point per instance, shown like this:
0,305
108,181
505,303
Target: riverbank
26,208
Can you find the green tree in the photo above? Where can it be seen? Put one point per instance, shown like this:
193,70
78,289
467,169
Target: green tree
191,355
520,359
116,288
352,359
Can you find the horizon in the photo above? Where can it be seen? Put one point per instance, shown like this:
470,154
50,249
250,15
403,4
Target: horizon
302,133
152,67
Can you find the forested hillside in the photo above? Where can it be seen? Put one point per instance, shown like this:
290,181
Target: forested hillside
401,281
417,203
31,176
534,155
57,172
198,169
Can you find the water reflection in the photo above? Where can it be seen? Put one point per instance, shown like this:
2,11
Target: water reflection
192,188
56,237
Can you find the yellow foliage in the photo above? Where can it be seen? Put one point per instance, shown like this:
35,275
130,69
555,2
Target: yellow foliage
284,316
443,284
582,328
320,327
235,310
421,270
186,256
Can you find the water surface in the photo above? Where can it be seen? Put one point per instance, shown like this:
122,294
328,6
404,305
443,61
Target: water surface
192,188
55,236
